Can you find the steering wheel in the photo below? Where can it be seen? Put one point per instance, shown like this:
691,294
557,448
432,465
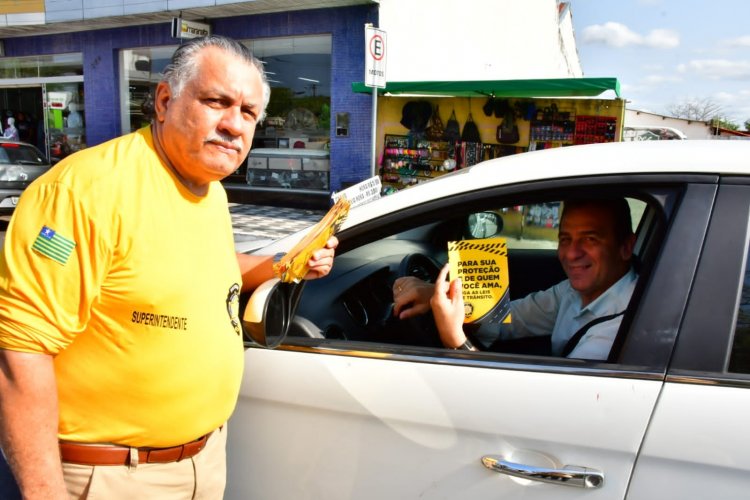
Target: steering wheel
419,330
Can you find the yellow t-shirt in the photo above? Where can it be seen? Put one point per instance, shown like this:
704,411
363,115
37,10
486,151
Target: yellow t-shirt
132,282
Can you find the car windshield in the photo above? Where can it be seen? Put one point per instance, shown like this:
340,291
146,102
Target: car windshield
19,154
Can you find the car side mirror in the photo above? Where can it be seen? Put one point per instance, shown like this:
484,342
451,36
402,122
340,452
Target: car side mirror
484,224
269,311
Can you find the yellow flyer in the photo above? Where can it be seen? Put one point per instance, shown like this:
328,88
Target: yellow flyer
292,266
482,266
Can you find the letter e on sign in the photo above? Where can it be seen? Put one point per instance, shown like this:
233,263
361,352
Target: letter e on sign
375,43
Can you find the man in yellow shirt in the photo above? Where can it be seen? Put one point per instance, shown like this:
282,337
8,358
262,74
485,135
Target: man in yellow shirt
120,360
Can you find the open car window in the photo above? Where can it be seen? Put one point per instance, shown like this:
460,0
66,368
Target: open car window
354,304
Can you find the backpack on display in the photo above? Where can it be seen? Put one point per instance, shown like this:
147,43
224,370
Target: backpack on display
452,131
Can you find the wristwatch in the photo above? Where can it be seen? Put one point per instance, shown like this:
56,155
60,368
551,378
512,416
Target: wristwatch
466,346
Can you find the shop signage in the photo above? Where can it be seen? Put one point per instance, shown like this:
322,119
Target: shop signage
374,57
58,100
189,29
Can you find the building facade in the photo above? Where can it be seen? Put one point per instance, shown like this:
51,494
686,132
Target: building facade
75,73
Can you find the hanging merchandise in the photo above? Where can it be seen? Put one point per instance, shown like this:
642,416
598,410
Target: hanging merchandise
507,132
471,131
436,129
415,115
472,153
452,131
501,108
489,107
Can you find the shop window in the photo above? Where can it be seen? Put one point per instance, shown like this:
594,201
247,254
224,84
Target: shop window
298,117
45,97
140,71
41,66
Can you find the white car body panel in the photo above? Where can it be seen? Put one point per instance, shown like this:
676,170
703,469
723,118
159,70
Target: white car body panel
697,444
363,425
340,427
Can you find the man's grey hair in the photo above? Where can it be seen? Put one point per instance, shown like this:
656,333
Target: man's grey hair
184,64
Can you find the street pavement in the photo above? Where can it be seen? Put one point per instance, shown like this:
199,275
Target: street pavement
256,225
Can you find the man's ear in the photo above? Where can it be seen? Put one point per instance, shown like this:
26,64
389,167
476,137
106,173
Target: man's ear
627,246
162,96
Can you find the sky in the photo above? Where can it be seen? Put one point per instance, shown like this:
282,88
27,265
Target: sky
668,52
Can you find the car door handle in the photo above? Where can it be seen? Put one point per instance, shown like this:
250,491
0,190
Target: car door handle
569,475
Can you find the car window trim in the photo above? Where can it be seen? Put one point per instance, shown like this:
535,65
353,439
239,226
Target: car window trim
480,198
714,299
658,186
485,360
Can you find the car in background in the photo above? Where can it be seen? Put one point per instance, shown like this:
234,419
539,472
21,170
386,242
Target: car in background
652,133
20,163
355,403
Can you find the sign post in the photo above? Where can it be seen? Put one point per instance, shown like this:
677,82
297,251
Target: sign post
375,52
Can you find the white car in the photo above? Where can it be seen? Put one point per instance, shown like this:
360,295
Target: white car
355,404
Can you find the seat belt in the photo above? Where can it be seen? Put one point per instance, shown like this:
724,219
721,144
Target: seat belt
573,341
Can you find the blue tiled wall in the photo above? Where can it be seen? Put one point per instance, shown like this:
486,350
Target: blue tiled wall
350,156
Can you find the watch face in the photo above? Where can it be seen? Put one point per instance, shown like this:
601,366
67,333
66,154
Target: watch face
484,225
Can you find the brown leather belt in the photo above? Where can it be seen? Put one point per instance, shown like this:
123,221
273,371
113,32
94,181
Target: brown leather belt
87,454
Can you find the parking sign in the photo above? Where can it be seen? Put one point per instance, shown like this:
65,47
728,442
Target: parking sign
374,57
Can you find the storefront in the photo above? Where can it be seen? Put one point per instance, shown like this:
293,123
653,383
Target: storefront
426,129
87,87
44,97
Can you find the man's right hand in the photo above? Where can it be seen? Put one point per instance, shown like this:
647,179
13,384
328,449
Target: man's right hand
411,297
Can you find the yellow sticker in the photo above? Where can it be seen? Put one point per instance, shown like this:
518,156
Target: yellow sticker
482,266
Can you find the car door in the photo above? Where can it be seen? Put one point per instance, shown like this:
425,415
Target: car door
697,442
337,419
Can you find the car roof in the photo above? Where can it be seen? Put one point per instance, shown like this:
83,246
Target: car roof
717,157
721,157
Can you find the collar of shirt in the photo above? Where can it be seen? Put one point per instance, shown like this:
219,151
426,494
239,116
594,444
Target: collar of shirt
612,301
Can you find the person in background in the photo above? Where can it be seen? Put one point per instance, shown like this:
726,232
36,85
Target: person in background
121,353
23,124
582,313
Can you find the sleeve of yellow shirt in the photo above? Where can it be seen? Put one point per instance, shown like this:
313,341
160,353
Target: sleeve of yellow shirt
52,265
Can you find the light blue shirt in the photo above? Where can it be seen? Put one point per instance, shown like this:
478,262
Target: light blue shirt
558,310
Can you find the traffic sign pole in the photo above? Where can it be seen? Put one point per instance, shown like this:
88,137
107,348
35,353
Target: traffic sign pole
374,77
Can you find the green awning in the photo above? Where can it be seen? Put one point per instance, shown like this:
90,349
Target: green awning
555,87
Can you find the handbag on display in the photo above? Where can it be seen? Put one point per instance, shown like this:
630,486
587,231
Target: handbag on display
471,131
507,132
452,131
436,128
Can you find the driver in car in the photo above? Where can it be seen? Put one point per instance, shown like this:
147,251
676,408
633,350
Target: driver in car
582,313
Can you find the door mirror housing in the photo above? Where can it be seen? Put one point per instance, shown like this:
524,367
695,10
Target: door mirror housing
269,312
484,225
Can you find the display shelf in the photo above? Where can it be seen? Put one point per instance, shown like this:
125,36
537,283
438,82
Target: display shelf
552,131
595,129
407,162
